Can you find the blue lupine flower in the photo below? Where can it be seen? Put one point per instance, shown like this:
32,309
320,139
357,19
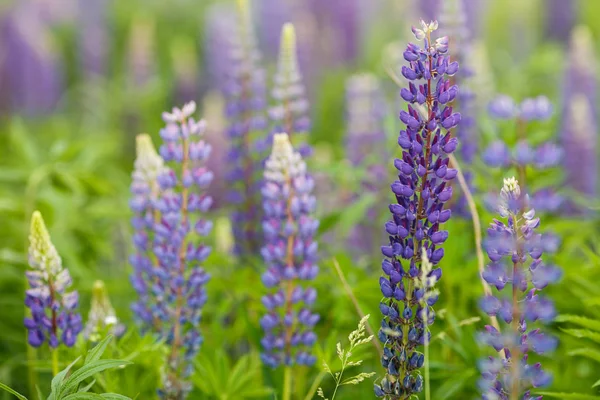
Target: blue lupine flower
545,155
169,201
365,149
421,191
579,126
145,192
290,114
290,253
54,316
178,245
515,250
245,94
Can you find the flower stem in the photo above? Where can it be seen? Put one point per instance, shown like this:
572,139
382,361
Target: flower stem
426,355
54,362
287,383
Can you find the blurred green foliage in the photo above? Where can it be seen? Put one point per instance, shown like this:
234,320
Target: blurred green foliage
74,166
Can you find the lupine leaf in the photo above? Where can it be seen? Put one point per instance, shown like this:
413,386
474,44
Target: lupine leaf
57,381
87,387
583,333
89,370
579,320
12,391
569,396
592,354
95,353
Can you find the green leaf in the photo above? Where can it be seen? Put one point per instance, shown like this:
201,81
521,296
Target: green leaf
583,333
12,391
114,396
83,396
58,380
569,396
592,354
87,371
581,321
87,387
95,353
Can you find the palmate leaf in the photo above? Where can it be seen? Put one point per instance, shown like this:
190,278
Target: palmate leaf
95,353
569,396
584,322
57,381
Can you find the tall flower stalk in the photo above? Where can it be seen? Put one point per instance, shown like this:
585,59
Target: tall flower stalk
290,113
168,274
54,317
421,191
515,250
246,101
290,253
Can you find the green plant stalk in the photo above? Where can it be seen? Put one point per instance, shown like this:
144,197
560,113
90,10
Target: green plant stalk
55,362
287,383
426,356
315,385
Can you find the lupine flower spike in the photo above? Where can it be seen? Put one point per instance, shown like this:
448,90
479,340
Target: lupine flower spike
290,114
145,191
246,102
290,253
546,155
54,316
169,201
515,250
421,191
365,149
102,318
178,244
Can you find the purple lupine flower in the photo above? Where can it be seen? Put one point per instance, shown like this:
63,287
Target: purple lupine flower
31,66
290,253
515,250
580,119
219,22
545,155
421,191
145,192
365,148
54,316
290,114
246,101
580,143
428,9
178,246
560,18
93,39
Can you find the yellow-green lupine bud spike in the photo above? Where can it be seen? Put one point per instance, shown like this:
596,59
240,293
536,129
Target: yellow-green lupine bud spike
582,44
245,16
288,59
102,317
148,162
42,253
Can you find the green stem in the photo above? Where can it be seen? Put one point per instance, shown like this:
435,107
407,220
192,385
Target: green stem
287,383
315,385
426,356
54,362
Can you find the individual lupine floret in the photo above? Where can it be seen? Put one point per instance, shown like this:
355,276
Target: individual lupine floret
365,149
546,155
515,250
290,114
102,318
145,191
421,191
54,316
290,253
245,109
179,279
